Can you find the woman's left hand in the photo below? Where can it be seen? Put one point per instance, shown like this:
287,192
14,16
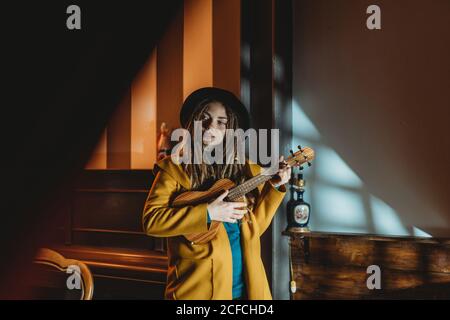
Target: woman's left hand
283,175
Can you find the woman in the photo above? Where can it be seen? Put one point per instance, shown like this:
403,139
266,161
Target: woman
230,265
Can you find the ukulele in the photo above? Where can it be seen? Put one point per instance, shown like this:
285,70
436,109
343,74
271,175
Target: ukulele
236,193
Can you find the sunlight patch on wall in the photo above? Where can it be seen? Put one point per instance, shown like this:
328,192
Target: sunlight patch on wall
302,125
339,200
331,168
385,218
338,210
420,233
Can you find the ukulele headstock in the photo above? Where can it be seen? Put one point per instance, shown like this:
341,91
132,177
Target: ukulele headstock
303,155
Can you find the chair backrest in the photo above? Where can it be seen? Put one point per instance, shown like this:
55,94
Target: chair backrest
75,269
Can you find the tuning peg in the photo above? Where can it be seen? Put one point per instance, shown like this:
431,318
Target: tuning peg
309,164
300,147
292,152
301,167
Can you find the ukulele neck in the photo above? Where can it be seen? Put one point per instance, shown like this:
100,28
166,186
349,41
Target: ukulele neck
244,188
302,156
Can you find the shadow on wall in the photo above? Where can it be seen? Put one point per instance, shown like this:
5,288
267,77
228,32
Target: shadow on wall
341,201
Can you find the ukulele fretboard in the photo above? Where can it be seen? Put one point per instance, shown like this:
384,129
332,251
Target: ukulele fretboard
247,186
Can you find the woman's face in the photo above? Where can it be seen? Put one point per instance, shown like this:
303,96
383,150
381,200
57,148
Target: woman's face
214,120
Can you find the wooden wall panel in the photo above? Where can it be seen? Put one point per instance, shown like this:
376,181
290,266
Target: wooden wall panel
103,229
118,138
197,45
170,74
227,45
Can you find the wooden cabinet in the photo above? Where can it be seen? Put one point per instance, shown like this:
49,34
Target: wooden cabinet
335,266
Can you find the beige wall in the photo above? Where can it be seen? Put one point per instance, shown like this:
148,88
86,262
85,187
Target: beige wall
375,105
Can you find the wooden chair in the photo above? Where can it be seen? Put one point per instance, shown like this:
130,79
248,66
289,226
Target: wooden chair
56,262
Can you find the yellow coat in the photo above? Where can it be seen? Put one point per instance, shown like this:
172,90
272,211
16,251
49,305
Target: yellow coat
204,271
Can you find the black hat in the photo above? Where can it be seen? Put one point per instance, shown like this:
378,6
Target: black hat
221,95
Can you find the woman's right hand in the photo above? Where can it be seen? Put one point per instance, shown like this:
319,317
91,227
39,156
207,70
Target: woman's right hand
226,211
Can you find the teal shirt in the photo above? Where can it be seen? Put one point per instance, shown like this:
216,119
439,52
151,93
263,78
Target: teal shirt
234,235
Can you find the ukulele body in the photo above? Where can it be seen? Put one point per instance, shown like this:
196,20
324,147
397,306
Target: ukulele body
197,197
